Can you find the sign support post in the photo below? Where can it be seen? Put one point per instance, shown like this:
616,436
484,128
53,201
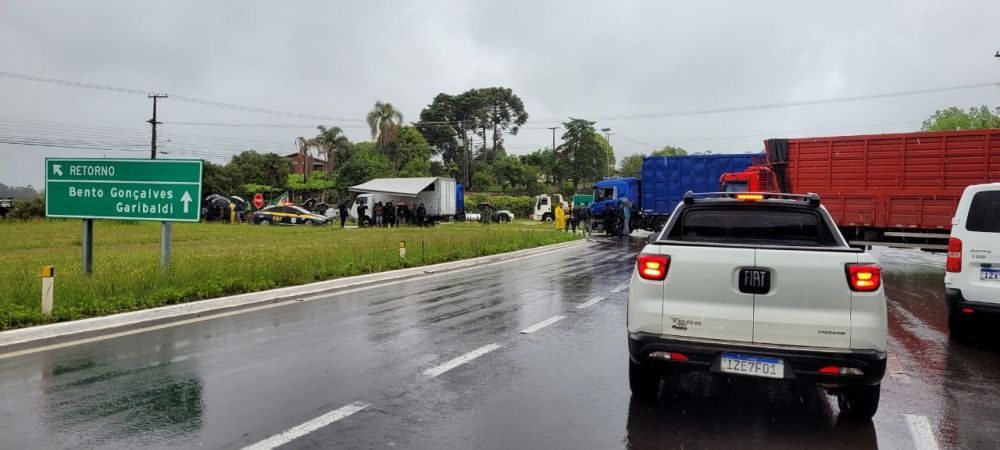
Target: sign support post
165,244
88,246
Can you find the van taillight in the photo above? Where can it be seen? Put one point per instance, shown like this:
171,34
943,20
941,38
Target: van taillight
954,263
653,267
864,277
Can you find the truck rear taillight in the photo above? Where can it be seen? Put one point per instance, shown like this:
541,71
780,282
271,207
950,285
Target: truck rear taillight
864,277
652,267
954,262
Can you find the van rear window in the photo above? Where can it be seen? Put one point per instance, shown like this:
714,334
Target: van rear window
984,212
772,226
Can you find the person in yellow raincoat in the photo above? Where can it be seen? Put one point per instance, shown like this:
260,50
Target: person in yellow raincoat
560,218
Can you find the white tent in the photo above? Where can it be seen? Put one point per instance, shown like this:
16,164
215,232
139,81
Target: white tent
399,186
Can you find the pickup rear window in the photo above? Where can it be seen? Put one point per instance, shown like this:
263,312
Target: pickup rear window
984,212
739,224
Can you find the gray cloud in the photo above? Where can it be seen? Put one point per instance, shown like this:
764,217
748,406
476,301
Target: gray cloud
566,58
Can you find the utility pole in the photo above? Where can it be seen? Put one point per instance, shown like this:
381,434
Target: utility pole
154,123
553,137
607,137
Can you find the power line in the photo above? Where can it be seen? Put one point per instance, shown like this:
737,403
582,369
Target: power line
691,112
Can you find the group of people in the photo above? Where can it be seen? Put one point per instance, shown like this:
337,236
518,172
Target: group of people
615,220
387,215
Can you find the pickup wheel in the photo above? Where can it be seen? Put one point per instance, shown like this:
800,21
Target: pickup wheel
958,328
859,402
644,382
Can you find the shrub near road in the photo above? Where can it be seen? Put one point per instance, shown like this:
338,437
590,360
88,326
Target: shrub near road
214,260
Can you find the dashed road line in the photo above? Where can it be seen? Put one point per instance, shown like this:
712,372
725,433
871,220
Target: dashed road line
308,427
589,303
923,434
542,324
455,362
619,288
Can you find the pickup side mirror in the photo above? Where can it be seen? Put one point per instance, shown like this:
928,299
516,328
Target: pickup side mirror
652,237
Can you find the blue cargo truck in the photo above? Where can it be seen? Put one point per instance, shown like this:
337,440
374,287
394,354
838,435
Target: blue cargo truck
662,184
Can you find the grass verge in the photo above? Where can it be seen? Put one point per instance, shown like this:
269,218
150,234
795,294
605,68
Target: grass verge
211,260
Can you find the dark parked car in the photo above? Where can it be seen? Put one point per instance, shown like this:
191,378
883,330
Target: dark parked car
287,215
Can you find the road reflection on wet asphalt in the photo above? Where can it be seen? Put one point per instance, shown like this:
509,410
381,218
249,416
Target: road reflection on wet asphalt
442,362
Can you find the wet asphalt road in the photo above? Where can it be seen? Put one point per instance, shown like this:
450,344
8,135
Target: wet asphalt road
233,381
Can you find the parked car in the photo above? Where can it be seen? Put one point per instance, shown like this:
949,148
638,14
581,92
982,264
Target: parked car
972,278
758,285
287,215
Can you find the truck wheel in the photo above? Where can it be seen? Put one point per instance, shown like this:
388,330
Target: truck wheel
548,218
958,328
859,402
644,382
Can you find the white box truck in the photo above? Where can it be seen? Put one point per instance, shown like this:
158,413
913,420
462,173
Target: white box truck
437,194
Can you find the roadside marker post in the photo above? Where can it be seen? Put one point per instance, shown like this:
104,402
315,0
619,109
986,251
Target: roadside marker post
402,249
48,283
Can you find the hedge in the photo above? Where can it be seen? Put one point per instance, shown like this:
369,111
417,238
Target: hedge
522,205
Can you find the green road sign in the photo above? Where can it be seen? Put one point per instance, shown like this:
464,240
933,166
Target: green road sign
128,189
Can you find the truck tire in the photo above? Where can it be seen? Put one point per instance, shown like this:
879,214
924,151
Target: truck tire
643,381
859,402
548,217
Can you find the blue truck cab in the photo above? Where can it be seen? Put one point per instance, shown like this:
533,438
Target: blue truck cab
607,192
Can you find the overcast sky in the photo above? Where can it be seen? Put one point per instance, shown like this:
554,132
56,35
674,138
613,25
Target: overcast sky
568,58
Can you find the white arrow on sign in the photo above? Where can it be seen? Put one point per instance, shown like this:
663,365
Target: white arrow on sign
186,199
57,169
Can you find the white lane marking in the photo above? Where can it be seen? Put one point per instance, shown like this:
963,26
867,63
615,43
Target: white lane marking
589,303
923,434
542,324
307,427
619,288
455,362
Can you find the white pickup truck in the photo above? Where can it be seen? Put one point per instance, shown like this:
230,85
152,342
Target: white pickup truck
758,285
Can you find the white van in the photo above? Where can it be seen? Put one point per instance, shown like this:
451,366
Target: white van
972,281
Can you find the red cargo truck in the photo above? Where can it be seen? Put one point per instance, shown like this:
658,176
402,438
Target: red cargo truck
901,189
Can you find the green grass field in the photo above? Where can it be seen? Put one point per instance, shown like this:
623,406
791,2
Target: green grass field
212,260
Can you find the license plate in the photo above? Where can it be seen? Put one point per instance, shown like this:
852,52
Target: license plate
757,366
989,274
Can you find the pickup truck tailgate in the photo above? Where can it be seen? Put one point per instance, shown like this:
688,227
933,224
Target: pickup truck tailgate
701,296
809,301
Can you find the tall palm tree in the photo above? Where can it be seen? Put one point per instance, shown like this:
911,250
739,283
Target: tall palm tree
384,121
305,160
330,141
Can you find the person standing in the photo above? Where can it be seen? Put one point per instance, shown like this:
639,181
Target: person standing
585,220
421,214
390,214
362,208
574,217
377,212
626,216
342,209
608,215
560,218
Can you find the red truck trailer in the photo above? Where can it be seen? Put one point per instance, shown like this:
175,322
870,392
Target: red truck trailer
898,189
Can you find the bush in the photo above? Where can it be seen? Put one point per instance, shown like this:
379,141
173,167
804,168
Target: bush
27,210
521,205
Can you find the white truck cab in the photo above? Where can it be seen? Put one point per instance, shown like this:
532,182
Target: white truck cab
545,207
758,285
972,278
